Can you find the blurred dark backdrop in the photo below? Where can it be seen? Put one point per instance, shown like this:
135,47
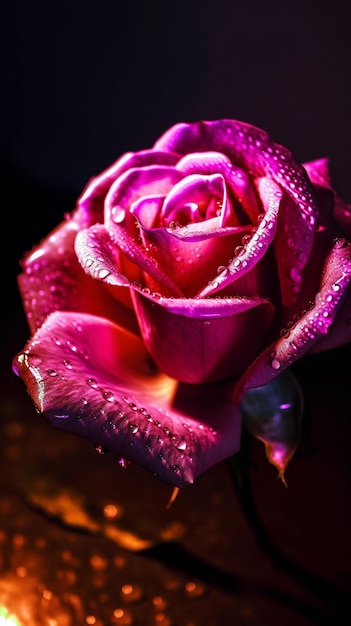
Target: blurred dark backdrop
85,81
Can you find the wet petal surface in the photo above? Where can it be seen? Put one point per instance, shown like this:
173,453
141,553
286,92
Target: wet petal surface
94,379
304,332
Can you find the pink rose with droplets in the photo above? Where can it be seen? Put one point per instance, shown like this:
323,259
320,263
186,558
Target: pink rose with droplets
170,304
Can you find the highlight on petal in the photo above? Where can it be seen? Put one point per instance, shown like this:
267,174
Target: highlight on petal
273,414
311,327
93,378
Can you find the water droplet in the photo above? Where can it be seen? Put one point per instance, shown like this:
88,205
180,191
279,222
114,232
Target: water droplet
92,383
52,372
133,428
103,273
275,364
108,395
222,269
295,274
118,215
179,442
68,364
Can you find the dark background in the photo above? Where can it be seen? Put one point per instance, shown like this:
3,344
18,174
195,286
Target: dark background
85,81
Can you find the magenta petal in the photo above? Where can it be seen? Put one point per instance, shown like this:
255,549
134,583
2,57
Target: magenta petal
135,184
311,328
91,200
239,182
183,203
206,340
319,172
97,251
192,253
257,247
251,149
53,280
292,247
339,333
90,377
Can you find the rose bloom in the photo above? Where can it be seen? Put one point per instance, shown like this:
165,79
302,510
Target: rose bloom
187,275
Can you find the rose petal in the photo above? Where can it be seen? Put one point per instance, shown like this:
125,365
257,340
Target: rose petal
257,247
97,253
54,280
90,377
312,326
339,332
204,340
132,185
243,190
91,200
187,255
319,173
195,199
292,246
251,149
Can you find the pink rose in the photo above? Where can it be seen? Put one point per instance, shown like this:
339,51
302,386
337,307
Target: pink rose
214,259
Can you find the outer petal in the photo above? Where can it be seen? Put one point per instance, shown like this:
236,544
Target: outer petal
319,173
251,149
313,324
203,340
339,332
92,378
53,280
